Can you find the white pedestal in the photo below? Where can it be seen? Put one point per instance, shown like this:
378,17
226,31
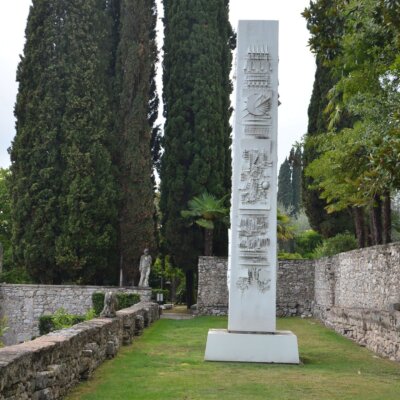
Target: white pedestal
279,347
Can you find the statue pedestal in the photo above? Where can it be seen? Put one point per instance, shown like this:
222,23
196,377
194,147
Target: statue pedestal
278,347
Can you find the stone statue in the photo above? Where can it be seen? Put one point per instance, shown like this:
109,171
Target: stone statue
110,306
144,268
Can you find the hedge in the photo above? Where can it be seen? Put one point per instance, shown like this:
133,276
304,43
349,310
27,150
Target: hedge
124,300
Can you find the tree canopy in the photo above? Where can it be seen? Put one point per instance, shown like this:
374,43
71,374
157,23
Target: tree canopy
358,163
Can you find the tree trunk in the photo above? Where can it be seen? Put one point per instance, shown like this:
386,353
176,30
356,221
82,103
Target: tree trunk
376,219
189,287
387,219
358,214
208,242
173,289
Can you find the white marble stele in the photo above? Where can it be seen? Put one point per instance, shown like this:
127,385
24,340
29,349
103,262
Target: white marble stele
251,335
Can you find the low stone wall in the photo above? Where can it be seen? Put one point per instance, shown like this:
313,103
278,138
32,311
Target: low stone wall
23,305
358,294
212,294
378,330
295,287
47,367
355,293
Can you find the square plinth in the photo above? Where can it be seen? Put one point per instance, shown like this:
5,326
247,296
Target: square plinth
279,347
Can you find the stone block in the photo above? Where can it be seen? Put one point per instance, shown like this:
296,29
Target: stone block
280,347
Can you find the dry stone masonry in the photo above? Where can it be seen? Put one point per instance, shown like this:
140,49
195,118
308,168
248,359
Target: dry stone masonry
23,305
212,295
355,293
48,367
358,294
295,287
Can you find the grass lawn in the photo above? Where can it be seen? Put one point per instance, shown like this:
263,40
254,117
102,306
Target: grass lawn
167,363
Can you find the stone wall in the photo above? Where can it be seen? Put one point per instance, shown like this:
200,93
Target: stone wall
212,294
47,367
355,293
358,294
295,287
23,305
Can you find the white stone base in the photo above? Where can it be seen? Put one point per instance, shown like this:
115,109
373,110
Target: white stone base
279,347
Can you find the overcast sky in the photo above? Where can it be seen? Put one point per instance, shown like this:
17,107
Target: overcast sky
296,67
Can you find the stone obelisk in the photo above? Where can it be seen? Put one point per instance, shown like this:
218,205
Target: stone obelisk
251,335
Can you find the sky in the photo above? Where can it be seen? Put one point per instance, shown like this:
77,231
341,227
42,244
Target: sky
296,65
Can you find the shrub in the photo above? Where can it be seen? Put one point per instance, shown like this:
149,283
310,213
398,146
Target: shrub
45,324
306,242
59,320
124,300
334,245
289,256
98,302
3,328
15,275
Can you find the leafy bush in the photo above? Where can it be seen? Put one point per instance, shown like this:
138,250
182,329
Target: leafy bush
124,300
171,276
59,320
334,245
45,324
3,328
306,242
289,256
98,302
15,275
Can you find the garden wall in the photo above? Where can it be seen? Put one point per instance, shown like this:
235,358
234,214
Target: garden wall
23,305
355,293
358,294
295,287
47,367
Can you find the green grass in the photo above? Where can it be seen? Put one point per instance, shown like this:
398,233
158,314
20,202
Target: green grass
167,363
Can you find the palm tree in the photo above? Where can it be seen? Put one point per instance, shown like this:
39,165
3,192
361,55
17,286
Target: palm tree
205,210
284,230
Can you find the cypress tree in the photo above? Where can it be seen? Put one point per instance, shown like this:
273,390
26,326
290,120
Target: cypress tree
36,164
285,185
296,179
85,111
196,65
137,112
87,242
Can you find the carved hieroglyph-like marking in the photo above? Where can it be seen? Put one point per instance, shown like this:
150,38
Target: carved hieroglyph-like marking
257,108
255,177
259,132
258,67
259,104
257,277
253,231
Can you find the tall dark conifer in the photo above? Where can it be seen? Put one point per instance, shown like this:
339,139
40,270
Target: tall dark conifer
87,242
36,163
296,162
285,197
197,59
137,112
